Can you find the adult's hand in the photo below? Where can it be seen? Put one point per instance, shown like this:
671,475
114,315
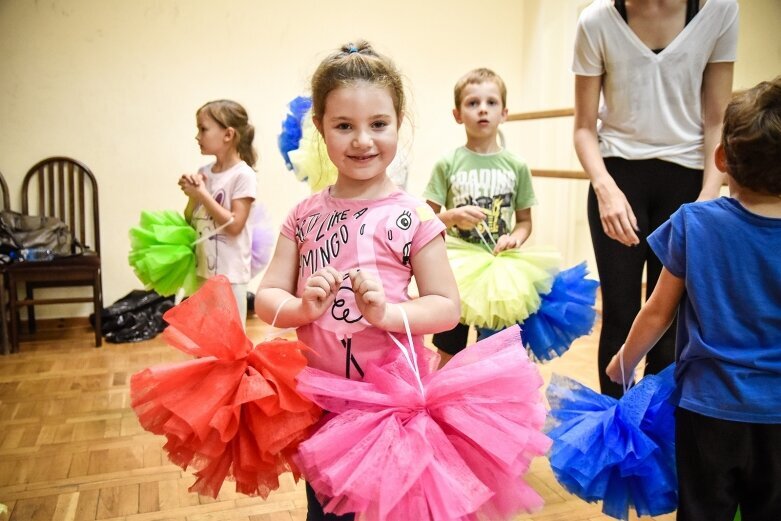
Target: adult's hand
618,220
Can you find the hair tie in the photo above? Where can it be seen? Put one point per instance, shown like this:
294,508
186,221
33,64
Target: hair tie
351,48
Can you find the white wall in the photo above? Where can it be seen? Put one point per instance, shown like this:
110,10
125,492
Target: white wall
116,83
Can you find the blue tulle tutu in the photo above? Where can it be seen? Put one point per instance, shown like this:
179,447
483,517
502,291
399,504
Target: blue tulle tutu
292,129
566,313
621,452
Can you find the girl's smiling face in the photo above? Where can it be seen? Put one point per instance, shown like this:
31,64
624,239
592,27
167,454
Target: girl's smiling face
360,129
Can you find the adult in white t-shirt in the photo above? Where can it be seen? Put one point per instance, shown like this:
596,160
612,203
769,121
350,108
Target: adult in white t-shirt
664,70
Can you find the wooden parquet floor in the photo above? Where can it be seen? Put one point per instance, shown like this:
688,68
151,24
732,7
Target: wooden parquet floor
71,448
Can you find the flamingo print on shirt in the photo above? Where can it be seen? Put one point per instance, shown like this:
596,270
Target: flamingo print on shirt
376,238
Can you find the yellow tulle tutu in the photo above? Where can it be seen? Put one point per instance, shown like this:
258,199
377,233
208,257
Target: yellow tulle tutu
501,290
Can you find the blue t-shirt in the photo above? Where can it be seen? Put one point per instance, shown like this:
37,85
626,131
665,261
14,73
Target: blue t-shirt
729,322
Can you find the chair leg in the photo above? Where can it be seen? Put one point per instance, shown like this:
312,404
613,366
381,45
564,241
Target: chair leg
13,318
4,317
97,293
31,326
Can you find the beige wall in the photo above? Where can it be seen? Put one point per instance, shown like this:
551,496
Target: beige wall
116,83
547,83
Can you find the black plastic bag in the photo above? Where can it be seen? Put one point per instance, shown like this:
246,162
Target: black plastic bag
135,317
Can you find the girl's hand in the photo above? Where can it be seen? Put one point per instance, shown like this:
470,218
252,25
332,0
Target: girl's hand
506,242
189,179
615,212
319,292
466,217
369,296
193,184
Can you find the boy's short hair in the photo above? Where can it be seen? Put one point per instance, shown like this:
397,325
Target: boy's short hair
480,75
751,137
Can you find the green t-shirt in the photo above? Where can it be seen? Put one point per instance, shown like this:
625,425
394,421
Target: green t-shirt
500,183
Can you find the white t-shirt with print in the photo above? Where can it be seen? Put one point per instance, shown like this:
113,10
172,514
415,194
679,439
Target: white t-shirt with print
224,254
652,103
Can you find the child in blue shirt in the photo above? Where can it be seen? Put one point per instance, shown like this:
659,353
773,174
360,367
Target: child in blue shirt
722,274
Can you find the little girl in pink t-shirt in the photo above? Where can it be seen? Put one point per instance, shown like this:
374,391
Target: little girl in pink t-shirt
346,255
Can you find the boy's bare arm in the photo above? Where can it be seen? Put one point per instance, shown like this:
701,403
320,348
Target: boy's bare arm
650,324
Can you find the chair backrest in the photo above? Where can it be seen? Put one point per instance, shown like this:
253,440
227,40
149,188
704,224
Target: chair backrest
65,188
6,196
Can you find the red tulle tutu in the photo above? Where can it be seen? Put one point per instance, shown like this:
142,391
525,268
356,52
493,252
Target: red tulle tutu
452,446
232,412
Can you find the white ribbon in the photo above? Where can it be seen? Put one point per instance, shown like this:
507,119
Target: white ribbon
624,383
409,354
482,238
276,316
215,231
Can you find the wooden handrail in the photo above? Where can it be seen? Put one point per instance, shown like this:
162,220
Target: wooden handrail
555,113
560,174
541,114
545,114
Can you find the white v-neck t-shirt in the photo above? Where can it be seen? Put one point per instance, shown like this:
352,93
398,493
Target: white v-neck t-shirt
652,103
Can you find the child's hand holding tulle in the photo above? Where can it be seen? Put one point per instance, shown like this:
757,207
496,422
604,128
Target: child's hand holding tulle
319,292
506,242
369,297
618,374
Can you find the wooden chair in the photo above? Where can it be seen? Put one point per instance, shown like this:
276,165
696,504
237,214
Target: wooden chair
64,188
3,303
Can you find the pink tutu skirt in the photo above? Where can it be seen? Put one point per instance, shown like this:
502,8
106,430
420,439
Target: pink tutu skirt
453,445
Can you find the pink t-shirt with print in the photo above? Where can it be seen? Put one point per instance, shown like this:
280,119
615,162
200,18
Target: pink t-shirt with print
379,236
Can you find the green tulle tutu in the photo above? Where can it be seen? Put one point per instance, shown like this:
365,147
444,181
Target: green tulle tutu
500,290
162,252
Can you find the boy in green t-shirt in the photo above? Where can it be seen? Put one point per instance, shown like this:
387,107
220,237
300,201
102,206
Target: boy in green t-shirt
480,182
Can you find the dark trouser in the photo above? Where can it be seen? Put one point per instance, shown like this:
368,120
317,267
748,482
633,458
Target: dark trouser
654,189
454,341
315,509
722,464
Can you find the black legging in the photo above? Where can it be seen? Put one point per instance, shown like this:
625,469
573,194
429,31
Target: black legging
654,189
315,510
